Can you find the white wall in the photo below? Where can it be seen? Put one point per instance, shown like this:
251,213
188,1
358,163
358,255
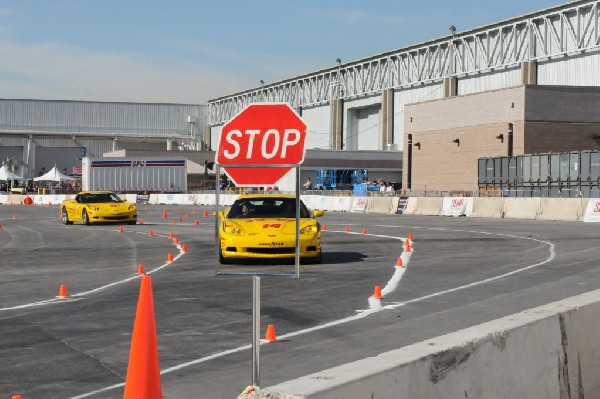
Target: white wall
319,127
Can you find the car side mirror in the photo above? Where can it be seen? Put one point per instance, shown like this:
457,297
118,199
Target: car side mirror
318,213
221,215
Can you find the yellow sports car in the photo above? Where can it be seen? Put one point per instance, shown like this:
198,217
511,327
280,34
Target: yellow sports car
264,227
97,207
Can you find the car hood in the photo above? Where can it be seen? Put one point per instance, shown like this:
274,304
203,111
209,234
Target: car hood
271,226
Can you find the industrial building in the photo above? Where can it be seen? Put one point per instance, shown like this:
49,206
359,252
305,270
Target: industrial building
423,114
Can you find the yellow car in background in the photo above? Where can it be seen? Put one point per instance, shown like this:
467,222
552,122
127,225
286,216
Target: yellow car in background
97,207
259,226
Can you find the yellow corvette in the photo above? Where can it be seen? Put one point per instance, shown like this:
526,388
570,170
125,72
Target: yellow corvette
264,227
97,207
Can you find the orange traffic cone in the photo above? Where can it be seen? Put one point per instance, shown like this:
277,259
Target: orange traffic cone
184,248
14,216
28,200
181,219
399,262
121,229
62,292
164,215
364,230
143,371
196,222
324,227
346,229
194,211
141,221
171,234
170,257
17,397
407,246
0,227
172,221
175,240
150,233
205,213
270,335
410,236
140,269
377,293
187,215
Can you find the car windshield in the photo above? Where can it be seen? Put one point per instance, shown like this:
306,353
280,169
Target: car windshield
267,208
98,198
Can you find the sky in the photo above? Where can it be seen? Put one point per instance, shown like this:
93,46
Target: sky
191,51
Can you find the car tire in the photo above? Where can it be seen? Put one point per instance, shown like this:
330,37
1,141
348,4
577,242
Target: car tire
64,216
85,218
222,259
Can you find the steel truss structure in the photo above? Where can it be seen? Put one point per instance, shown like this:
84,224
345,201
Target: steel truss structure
570,29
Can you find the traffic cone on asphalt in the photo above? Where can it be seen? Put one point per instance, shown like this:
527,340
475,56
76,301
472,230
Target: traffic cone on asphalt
187,215
364,230
172,221
410,236
399,262
196,222
170,257
377,292
194,211
181,219
171,234
142,221
120,229
150,233
205,213
324,227
346,229
270,335
14,216
184,248
164,215
407,246
140,269
17,397
143,371
62,292
175,240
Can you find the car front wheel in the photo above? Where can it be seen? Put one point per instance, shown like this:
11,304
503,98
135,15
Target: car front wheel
85,218
65,217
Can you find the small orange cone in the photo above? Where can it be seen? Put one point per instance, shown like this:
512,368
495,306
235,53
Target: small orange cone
399,262
141,221
377,293
184,248
0,227
14,216
175,240
171,234
181,219
324,227
270,335
150,233
196,222
410,236
17,397
205,213
346,229
143,371
140,269
164,215
170,257
194,212
172,221
364,230
62,292
407,246
120,229
187,215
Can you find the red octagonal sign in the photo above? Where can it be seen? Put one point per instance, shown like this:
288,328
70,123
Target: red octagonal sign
262,134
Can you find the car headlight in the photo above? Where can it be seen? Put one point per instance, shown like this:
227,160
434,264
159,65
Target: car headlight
310,229
232,229
93,208
131,207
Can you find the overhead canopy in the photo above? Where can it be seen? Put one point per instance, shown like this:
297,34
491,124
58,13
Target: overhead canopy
6,174
53,175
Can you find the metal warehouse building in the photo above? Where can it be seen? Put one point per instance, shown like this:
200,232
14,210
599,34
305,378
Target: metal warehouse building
529,84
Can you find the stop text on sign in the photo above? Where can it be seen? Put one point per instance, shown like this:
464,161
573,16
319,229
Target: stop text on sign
272,142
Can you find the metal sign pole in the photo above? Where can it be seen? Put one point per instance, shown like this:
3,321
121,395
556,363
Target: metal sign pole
256,331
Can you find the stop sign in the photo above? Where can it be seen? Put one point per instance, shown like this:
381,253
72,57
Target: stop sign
262,134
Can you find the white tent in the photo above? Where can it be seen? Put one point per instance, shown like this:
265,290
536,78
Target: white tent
53,175
6,174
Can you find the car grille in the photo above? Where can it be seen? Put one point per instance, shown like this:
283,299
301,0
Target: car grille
120,217
272,251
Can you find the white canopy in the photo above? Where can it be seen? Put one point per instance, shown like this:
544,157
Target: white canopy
6,174
53,175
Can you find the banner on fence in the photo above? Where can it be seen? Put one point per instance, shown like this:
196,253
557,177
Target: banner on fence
592,212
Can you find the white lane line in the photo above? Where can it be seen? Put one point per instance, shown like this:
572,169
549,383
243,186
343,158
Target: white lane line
360,315
77,296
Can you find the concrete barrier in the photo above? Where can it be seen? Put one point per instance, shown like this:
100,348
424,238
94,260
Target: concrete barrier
430,206
547,352
488,207
395,202
565,209
378,205
411,206
522,208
